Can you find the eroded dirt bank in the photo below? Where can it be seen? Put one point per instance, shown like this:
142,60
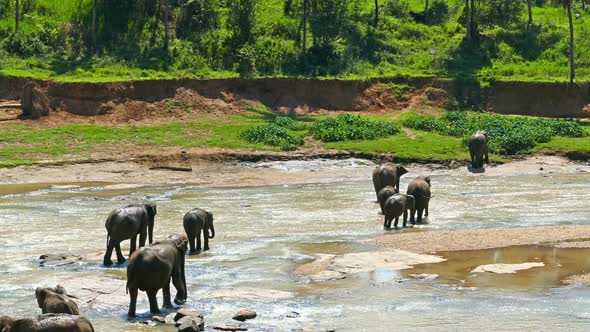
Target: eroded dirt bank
297,95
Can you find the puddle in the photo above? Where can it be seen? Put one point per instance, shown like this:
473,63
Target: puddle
559,263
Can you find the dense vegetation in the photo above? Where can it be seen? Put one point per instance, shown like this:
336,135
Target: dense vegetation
344,38
507,134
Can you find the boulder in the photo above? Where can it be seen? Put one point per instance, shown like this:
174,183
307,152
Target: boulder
58,259
506,268
227,327
35,103
187,313
190,324
170,319
244,315
159,319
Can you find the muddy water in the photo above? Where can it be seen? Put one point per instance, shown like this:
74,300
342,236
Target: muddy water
264,232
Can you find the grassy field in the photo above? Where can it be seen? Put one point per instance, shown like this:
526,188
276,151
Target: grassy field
22,144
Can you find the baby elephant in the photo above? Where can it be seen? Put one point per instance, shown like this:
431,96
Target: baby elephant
46,323
55,300
478,149
384,194
397,205
195,221
420,189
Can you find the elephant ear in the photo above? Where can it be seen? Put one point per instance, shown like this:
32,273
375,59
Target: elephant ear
427,179
401,170
181,242
40,294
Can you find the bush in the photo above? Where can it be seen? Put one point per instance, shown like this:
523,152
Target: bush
24,45
507,135
350,127
274,135
289,123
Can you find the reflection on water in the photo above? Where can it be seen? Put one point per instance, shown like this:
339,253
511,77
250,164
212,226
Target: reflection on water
559,264
263,233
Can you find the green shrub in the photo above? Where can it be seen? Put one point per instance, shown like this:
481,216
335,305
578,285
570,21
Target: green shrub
507,135
351,127
272,134
289,123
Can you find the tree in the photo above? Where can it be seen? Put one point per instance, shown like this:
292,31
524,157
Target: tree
567,4
530,8
426,13
304,41
467,20
16,16
166,27
377,13
94,25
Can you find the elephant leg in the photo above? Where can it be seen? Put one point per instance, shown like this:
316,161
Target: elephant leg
133,245
120,257
472,159
142,239
132,301
166,295
191,242
206,239
153,301
412,213
405,219
199,240
420,211
426,208
107,256
180,297
396,221
385,222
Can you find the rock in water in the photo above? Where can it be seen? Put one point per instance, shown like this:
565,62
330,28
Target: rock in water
159,319
228,327
506,268
244,315
190,324
187,313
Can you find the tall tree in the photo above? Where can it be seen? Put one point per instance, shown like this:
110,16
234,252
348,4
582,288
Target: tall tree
16,16
467,20
568,5
166,27
304,41
0,9
473,29
530,8
94,25
426,12
377,13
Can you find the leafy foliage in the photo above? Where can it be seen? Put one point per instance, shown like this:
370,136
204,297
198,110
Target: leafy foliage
272,134
351,127
507,135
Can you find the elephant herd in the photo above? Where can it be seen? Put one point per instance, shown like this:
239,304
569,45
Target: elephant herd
152,267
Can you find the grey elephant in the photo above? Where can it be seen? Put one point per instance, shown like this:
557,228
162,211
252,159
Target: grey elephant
384,194
478,149
195,221
55,300
151,268
47,323
387,175
126,223
398,205
420,189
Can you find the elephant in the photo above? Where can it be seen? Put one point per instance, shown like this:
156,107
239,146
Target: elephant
195,221
397,205
55,300
478,148
384,194
151,268
420,189
125,223
387,175
47,323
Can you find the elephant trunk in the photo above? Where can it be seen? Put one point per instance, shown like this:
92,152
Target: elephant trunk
211,232
151,233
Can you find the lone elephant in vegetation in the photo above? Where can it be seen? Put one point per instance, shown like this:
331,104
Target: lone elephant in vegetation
384,194
126,223
387,175
478,149
151,268
398,205
195,221
55,300
420,189
47,323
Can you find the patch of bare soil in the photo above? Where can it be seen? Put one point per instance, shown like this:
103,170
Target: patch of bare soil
434,241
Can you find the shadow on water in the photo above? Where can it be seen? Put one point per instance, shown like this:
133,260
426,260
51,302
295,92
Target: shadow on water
559,263
480,170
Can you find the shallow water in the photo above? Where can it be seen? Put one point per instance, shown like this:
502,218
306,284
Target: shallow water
264,233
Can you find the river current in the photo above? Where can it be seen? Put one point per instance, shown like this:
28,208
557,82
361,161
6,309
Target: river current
265,232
